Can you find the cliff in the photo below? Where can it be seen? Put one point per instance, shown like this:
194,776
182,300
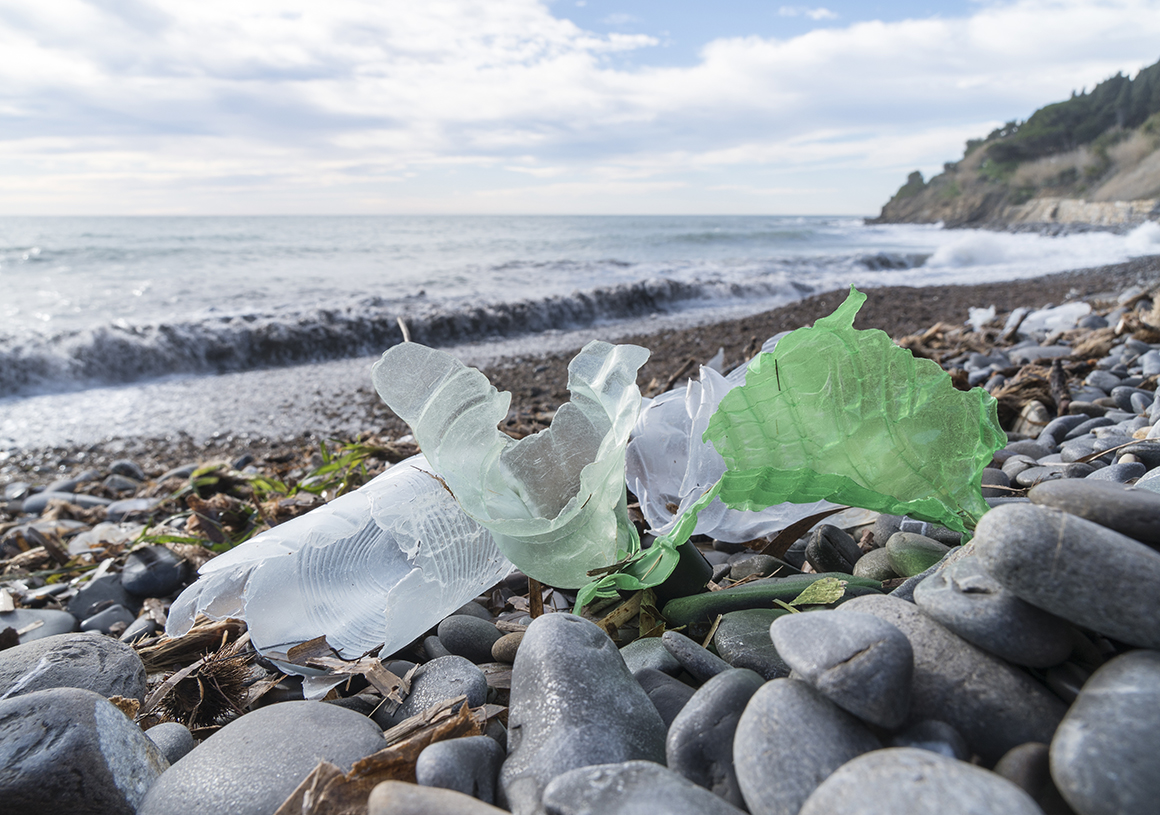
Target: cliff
1093,160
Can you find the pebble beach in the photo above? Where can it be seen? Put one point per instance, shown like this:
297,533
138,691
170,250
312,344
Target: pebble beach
1016,671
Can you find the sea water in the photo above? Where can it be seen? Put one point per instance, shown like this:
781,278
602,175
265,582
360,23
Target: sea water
98,316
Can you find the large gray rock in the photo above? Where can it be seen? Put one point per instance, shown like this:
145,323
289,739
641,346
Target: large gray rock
788,740
965,598
468,765
1104,754
573,704
251,765
67,750
857,661
700,740
908,780
82,660
630,788
1075,569
1132,512
993,704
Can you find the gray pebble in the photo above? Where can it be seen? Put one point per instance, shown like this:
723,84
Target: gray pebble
995,483
700,739
90,661
68,750
857,661
468,636
36,504
1103,756
153,571
788,740
434,648
468,765
1133,512
906,780
742,639
119,510
50,622
630,788
1039,475
993,704
911,554
1075,569
128,468
573,704
1031,447
875,565
649,652
1121,472
251,765
760,565
966,599
435,682
668,694
505,648
109,620
173,739
831,549
936,736
121,484
104,589
1027,766
698,661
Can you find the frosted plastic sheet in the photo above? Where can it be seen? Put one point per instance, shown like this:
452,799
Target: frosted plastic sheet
377,566
670,465
554,501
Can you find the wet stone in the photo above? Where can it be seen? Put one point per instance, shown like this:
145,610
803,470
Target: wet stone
966,599
153,571
831,549
649,652
1103,756
435,682
1078,570
89,661
742,639
573,704
251,765
911,554
468,765
903,779
39,622
935,736
68,750
668,694
1133,512
857,661
700,739
468,636
789,726
630,788
699,662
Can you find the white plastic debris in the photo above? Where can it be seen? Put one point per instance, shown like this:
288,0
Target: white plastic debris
980,317
554,501
377,566
1046,321
669,465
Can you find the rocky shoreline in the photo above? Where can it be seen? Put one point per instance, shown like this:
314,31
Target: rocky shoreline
1018,672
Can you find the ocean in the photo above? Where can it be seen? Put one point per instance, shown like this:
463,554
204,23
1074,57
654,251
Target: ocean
130,325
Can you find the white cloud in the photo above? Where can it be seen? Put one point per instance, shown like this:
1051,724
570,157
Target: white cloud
164,104
806,11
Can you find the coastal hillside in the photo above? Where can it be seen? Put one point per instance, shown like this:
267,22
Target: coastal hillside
1093,159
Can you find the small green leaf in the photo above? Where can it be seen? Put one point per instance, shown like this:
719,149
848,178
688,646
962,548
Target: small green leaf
821,593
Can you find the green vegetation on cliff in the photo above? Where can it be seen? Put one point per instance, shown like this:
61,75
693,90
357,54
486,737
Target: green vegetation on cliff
1102,145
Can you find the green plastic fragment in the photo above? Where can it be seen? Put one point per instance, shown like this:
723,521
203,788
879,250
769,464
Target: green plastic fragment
844,415
555,502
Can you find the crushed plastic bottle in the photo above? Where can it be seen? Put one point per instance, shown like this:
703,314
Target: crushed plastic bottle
670,466
554,501
377,566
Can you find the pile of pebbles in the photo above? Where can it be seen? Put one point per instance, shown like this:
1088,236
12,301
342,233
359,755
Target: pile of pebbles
1018,672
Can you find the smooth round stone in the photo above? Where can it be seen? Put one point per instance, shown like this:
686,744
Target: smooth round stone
468,636
1040,475
1146,451
474,609
153,571
760,565
36,504
434,648
90,661
1103,756
788,740
1150,480
911,554
875,565
1027,766
938,737
120,484
573,704
906,780
435,682
1121,472
128,468
114,617
119,510
251,765
173,739
68,750
701,663
51,622
106,588
996,706
1132,512
1016,464
700,740
1104,380
1075,569
742,640
1031,447
1054,431
468,765
630,788
1083,428
143,626
668,694
1123,397
505,648
966,599
649,652
857,661
401,798
831,549
995,483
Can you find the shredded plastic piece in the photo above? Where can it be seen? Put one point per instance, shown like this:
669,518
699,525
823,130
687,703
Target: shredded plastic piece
555,502
377,566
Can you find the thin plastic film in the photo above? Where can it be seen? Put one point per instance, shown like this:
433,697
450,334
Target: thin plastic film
670,465
555,501
377,566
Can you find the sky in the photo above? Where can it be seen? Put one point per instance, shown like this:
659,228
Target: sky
164,107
